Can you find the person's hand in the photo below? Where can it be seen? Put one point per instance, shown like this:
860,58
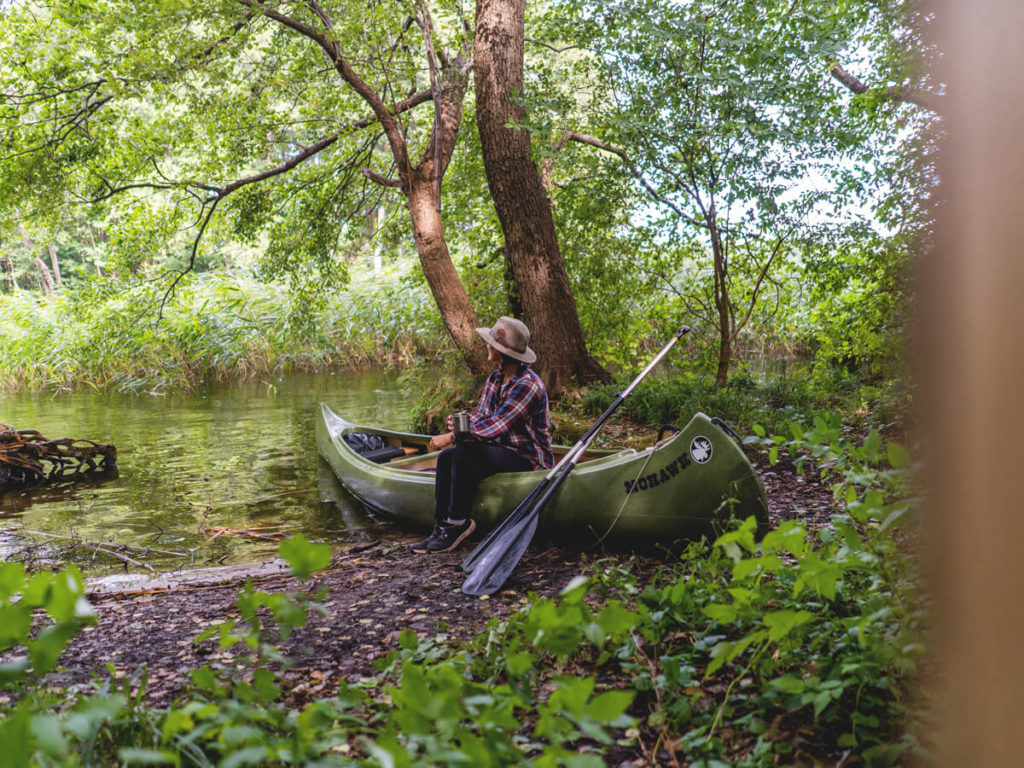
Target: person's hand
437,442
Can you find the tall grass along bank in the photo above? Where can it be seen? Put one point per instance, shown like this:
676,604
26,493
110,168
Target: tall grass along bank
214,326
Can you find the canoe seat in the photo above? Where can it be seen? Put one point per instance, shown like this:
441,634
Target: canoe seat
383,455
422,462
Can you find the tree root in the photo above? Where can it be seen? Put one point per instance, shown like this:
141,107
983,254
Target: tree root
28,458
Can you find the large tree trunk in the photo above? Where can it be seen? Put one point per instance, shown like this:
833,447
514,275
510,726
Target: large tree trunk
449,293
519,198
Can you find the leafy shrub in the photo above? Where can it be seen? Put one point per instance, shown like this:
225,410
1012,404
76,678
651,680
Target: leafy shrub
774,401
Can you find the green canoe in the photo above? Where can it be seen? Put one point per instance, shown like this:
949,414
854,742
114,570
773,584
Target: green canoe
680,489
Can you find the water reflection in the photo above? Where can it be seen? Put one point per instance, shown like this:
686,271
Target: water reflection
238,456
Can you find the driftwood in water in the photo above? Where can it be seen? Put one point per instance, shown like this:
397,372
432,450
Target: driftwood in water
26,457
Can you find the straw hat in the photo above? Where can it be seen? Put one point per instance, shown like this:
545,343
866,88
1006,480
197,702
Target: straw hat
510,337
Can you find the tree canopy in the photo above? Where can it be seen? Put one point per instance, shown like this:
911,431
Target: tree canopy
712,153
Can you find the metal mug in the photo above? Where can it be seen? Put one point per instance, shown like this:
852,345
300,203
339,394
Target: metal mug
460,426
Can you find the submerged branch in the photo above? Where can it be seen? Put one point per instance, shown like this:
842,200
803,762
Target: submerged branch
26,457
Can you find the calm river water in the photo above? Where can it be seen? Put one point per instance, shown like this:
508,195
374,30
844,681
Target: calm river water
240,455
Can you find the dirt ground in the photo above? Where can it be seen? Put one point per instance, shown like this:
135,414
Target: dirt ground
374,590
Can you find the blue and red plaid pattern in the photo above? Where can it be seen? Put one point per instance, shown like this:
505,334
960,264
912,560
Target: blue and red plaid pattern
516,415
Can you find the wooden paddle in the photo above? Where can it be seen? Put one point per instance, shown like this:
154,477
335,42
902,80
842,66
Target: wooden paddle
499,552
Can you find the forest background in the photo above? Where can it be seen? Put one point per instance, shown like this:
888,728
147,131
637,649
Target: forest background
762,172
190,191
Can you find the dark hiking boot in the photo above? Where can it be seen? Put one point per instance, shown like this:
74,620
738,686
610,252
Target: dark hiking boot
445,538
421,546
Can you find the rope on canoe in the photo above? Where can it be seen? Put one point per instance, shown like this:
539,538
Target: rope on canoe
632,487
27,457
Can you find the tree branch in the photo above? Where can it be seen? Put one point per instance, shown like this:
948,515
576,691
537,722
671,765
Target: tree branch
332,48
221,192
896,93
631,167
776,249
384,181
77,119
434,148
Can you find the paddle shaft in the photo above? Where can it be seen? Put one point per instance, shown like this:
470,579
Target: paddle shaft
493,559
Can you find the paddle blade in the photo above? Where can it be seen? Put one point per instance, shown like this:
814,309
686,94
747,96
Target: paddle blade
496,563
512,518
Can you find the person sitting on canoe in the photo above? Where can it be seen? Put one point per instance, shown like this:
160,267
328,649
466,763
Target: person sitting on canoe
510,431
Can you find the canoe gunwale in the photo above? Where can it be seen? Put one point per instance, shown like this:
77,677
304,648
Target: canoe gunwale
590,501
339,426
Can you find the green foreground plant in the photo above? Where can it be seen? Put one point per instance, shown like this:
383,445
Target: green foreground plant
738,654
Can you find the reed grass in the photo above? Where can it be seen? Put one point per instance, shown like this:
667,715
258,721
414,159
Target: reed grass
113,335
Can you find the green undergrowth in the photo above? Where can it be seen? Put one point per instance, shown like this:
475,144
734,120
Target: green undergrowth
803,647
124,336
772,401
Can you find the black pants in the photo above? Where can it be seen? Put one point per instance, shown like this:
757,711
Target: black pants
460,470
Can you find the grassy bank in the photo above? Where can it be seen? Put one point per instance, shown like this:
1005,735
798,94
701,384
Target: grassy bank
215,326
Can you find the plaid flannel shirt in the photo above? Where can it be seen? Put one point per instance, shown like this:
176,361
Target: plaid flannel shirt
516,415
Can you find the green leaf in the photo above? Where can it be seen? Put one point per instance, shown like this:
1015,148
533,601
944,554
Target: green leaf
788,684
583,761
205,679
49,735
48,646
616,620
572,694
247,756
609,706
177,721
89,714
518,664
575,589
13,670
265,683
898,456
819,575
408,640
897,514
137,756
12,579
66,597
305,557
15,736
790,536
723,614
15,625
781,623
873,447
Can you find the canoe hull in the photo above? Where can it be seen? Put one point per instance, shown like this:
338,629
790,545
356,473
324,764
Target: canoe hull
687,487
